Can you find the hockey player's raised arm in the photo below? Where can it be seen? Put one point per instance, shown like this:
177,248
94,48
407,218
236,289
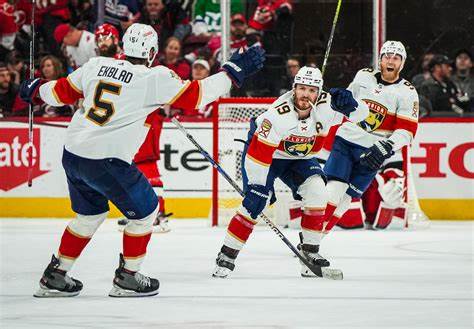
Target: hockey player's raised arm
189,95
406,120
56,92
263,144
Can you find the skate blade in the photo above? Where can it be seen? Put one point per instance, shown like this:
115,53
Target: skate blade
44,292
116,291
328,273
160,230
221,272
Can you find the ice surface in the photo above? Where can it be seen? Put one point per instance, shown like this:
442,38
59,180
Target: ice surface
392,279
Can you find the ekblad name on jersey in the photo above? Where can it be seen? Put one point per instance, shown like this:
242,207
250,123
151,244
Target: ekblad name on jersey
118,96
280,134
393,111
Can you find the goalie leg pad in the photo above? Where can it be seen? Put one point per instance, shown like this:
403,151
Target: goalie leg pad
340,210
384,216
136,236
353,217
76,236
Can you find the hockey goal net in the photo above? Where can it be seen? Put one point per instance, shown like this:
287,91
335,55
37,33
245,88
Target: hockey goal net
231,122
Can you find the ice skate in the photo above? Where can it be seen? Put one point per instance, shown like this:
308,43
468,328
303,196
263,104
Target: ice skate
132,284
56,282
225,262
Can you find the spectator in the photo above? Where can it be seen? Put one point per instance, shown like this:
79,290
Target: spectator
120,13
201,70
9,102
267,12
8,27
17,67
440,90
78,45
463,77
418,79
167,18
292,67
171,58
207,15
51,68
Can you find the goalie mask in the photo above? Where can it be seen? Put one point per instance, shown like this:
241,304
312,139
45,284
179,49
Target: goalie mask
141,41
396,48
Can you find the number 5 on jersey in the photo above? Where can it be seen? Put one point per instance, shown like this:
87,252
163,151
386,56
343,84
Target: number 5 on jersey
103,109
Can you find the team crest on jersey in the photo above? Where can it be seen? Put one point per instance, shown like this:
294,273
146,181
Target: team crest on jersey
299,146
377,113
265,128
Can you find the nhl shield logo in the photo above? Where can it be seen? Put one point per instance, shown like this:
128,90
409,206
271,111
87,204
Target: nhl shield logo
377,113
298,146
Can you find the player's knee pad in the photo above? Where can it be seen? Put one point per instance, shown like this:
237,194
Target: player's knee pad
143,225
314,192
86,225
336,191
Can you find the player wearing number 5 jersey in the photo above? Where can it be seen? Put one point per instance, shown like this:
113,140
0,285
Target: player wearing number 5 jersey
102,140
282,143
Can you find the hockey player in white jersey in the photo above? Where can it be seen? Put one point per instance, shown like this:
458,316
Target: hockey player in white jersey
282,143
360,150
102,139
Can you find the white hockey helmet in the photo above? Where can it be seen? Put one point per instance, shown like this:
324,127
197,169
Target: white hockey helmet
394,47
140,41
310,76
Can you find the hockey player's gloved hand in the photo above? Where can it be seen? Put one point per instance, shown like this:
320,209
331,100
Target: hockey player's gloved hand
256,199
243,64
29,90
374,157
342,101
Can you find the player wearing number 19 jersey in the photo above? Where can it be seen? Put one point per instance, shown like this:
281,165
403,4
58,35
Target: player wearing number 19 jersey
102,140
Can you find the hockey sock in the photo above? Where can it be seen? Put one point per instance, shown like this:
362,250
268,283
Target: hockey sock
75,238
238,231
312,225
337,213
135,241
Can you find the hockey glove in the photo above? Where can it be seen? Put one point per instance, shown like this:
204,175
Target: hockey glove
29,90
342,101
243,64
375,155
256,199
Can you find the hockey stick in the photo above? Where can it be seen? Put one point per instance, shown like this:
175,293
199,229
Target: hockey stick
30,110
331,36
323,272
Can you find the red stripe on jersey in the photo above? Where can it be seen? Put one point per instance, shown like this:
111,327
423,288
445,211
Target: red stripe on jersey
261,151
318,144
189,97
394,122
66,93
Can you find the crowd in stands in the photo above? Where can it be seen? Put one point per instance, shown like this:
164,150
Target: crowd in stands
190,45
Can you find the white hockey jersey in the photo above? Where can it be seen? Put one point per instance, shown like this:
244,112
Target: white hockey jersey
85,50
118,96
393,111
281,134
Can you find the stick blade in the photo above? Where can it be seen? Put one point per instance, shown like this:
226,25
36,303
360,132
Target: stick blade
332,273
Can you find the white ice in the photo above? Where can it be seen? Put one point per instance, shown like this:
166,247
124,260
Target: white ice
394,279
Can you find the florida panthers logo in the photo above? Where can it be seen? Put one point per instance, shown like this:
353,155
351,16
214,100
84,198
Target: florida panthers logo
298,146
377,113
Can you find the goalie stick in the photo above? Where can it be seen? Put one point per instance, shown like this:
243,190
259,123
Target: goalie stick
323,272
